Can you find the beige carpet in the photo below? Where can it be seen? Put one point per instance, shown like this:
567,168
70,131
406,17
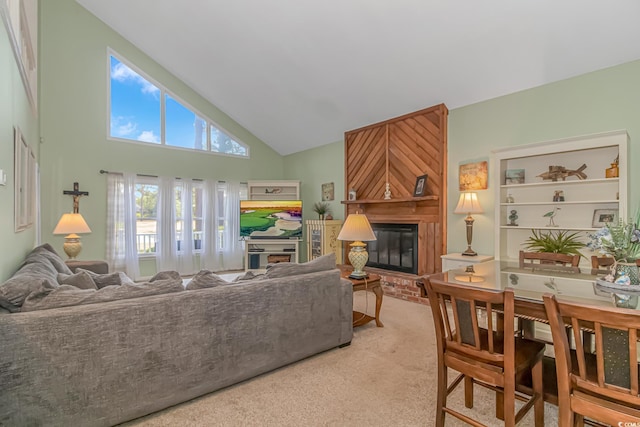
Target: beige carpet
386,377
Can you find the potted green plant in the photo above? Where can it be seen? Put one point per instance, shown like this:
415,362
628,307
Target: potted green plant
559,242
322,209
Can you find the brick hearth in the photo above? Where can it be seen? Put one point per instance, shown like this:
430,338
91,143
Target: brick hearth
397,285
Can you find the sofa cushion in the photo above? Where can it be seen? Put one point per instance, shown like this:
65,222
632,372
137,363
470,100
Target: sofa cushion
110,279
48,296
46,253
286,269
205,279
81,280
249,275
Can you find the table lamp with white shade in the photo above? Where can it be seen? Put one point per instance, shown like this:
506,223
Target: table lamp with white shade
468,204
357,229
72,224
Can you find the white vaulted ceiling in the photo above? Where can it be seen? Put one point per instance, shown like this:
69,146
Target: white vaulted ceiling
299,73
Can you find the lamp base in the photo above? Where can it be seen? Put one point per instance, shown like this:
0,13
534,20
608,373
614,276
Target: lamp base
358,277
469,252
72,246
358,257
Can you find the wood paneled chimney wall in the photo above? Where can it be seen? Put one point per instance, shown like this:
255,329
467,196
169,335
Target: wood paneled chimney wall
397,151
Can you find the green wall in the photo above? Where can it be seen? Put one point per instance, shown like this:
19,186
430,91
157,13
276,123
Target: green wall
595,102
313,168
74,75
14,111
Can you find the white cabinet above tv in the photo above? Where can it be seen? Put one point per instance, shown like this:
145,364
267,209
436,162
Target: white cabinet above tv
577,197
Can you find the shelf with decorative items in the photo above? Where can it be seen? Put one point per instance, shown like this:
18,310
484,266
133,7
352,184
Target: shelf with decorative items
565,184
274,190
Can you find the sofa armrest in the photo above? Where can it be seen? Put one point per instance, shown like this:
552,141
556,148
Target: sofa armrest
99,267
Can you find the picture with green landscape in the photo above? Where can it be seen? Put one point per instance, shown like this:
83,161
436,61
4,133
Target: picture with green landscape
271,219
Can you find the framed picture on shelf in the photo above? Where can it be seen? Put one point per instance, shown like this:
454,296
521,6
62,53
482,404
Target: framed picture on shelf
514,176
421,186
602,217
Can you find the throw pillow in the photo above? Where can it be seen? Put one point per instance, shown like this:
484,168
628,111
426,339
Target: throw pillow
249,275
286,269
205,279
81,280
103,280
174,275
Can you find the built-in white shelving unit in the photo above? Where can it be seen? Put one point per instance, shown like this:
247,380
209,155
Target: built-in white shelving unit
257,252
534,197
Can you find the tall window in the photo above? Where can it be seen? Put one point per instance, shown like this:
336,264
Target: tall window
146,213
144,111
147,207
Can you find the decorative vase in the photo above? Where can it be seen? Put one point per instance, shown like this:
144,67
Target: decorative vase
612,172
630,270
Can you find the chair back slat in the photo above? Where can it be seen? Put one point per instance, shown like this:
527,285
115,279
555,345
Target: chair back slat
469,336
609,374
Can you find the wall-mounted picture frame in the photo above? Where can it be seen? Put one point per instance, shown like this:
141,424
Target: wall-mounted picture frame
327,192
473,176
25,182
602,217
421,186
20,18
514,176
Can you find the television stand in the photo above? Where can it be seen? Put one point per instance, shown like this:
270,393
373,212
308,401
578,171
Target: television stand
257,252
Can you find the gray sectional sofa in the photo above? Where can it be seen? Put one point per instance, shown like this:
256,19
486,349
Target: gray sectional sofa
103,363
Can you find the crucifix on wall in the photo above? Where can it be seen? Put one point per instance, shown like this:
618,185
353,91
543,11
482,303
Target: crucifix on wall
76,193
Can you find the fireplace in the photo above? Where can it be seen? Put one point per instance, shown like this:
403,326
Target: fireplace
396,248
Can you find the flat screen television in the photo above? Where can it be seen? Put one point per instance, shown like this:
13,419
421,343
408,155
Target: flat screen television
271,219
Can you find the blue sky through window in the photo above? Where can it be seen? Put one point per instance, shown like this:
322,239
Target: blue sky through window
136,111
135,105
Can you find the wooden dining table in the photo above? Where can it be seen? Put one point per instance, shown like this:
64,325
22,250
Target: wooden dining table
529,286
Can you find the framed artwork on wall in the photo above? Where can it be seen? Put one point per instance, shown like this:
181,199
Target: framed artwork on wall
474,176
327,192
24,181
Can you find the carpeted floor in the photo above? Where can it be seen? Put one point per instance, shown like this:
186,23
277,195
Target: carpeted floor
386,377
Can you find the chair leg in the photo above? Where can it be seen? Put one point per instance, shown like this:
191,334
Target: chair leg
500,405
538,406
468,391
509,401
442,394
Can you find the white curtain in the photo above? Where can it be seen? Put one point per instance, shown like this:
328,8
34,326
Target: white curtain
232,247
186,257
122,252
221,251
167,246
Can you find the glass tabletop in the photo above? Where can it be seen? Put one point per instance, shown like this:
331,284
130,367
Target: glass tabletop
531,285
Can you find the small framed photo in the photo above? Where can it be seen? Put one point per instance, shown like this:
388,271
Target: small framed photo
602,217
421,186
352,195
514,176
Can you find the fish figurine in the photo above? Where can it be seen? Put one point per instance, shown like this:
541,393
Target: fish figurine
557,172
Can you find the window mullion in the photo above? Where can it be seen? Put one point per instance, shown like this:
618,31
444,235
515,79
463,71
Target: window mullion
163,116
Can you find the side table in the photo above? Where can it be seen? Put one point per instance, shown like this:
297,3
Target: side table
371,284
99,267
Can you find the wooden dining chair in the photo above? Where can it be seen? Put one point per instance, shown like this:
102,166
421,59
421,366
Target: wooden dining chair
601,386
549,261
491,356
601,264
